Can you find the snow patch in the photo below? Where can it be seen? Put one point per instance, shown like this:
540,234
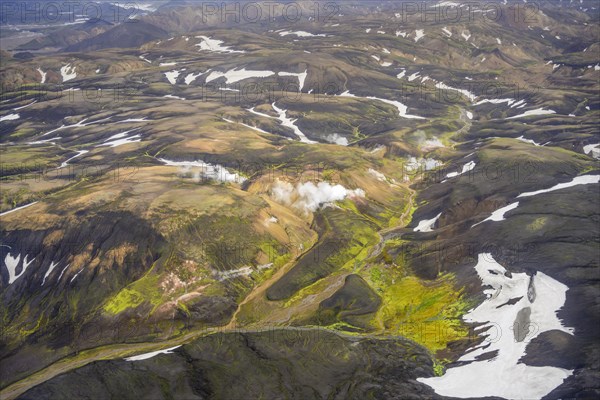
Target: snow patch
522,139
465,168
402,109
68,73
419,33
79,154
466,93
17,209
538,111
10,117
287,122
301,77
593,150
426,225
302,34
192,77
146,356
43,75
172,76
215,45
236,75
579,180
50,269
508,333
120,139
11,266
498,215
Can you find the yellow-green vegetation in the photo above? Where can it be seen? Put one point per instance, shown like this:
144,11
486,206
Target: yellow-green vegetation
427,312
439,367
144,289
319,286
537,224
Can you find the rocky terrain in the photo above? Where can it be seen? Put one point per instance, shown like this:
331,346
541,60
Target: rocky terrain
340,200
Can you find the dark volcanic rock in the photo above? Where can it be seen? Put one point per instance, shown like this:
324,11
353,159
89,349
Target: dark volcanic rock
293,364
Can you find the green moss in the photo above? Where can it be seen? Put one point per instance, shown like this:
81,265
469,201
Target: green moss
125,299
537,224
140,291
427,312
438,368
184,308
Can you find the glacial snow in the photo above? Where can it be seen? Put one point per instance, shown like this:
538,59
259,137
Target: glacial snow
10,117
68,73
121,138
236,75
246,125
465,168
172,76
402,109
508,333
498,215
301,77
466,93
50,269
287,122
523,139
42,74
538,111
426,225
578,180
215,45
419,33
302,34
17,208
146,356
593,150
79,124
79,154
11,266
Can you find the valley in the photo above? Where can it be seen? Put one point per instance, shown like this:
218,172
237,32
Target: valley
343,200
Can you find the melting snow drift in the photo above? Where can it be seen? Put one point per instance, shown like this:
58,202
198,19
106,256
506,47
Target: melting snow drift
146,356
426,225
508,329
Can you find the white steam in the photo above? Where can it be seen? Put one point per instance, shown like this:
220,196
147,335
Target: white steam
309,197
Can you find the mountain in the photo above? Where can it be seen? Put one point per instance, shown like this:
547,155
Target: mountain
364,202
